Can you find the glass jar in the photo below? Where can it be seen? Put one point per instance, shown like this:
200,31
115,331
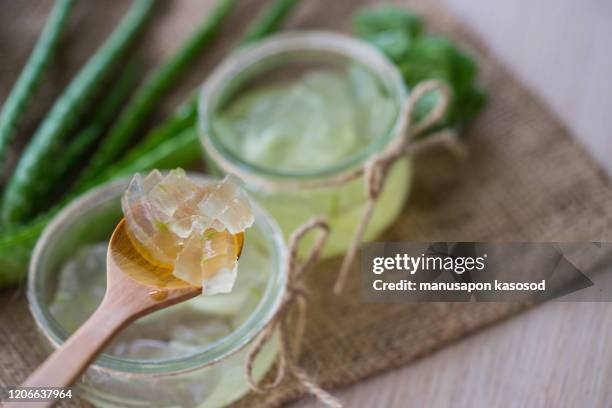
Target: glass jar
292,197
207,377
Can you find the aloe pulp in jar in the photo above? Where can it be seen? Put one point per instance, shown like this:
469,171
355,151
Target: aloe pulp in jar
297,110
189,355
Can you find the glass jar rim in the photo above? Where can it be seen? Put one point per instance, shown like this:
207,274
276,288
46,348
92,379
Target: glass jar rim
210,354
344,46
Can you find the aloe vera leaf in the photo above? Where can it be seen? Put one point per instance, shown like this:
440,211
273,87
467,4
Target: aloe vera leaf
269,21
27,83
160,149
157,85
108,109
28,184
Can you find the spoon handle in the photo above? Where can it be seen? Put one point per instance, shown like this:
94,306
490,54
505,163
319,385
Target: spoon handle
69,361
125,300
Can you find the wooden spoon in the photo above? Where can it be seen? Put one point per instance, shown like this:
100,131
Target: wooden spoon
135,287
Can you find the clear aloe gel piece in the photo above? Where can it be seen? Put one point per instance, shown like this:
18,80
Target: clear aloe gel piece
193,231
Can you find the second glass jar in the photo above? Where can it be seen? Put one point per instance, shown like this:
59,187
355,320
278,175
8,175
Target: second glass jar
294,182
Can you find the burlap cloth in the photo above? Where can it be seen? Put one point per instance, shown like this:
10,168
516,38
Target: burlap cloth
525,179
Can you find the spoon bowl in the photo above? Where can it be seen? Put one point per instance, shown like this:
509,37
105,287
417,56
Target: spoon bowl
123,260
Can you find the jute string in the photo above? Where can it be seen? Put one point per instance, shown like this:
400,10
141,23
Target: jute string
377,168
375,172
295,294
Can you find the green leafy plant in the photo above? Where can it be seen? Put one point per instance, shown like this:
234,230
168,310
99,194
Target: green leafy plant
82,143
157,85
269,21
30,77
30,182
419,56
389,28
173,143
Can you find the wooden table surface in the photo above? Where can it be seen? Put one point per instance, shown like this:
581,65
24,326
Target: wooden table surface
559,354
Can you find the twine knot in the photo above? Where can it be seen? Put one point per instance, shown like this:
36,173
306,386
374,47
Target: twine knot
295,294
376,169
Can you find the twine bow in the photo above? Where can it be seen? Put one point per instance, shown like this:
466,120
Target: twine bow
295,293
375,171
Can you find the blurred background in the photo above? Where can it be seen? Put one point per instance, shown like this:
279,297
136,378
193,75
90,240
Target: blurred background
558,354
558,48
555,355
